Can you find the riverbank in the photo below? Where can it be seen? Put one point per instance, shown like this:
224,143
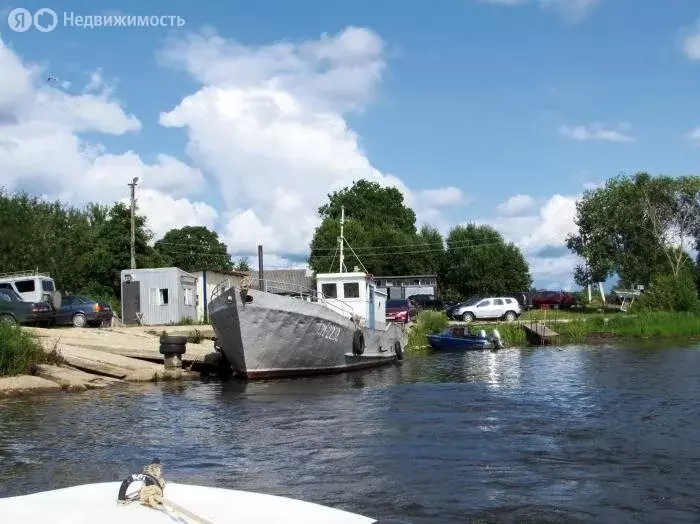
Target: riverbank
35,360
579,328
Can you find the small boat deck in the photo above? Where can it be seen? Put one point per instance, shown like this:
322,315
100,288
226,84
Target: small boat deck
539,333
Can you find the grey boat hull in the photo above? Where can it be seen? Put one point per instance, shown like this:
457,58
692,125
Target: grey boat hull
269,335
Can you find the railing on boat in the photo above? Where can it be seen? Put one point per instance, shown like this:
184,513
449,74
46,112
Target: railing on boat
292,290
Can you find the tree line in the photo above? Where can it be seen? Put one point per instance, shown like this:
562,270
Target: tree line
384,240
85,249
642,228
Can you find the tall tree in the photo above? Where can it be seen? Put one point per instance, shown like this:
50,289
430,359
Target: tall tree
380,230
194,248
478,261
632,227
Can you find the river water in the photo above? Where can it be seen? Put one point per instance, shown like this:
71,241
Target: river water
576,434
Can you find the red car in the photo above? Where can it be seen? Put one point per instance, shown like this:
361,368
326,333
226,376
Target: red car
399,310
553,298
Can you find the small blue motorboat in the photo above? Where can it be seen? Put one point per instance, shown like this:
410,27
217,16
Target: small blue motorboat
460,338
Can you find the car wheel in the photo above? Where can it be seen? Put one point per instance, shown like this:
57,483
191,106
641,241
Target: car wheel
8,319
468,317
510,316
79,320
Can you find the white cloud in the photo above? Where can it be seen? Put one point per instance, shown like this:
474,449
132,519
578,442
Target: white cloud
694,135
42,150
597,132
516,205
268,124
543,229
573,9
691,43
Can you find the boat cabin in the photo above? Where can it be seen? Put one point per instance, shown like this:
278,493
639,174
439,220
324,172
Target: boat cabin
353,293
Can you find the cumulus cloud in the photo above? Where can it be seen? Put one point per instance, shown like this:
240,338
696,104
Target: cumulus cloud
43,150
598,132
268,124
541,235
691,43
694,135
572,9
516,205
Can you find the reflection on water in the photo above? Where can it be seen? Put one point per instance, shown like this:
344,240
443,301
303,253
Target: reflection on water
602,434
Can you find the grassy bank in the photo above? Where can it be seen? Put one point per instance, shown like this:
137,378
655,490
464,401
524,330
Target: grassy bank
19,351
575,328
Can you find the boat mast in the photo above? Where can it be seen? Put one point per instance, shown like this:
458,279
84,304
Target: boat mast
342,237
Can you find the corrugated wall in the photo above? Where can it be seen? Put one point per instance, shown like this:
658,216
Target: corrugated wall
151,283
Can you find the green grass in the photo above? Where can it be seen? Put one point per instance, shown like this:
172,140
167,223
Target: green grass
20,352
427,323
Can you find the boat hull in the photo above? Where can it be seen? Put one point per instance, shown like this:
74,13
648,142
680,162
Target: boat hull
98,502
270,336
442,343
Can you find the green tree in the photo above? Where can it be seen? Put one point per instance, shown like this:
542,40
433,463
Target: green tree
242,265
112,251
194,248
380,231
479,262
633,227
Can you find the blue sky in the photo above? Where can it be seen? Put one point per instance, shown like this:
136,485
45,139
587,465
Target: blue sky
487,99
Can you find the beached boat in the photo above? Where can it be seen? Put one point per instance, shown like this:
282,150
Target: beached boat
268,329
182,503
460,338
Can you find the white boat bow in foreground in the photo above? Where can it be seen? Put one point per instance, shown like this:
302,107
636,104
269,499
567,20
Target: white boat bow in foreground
182,503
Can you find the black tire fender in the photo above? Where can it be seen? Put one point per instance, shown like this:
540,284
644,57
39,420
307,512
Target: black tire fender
358,342
397,350
147,480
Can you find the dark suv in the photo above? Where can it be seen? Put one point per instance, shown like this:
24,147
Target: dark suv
427,302
14,310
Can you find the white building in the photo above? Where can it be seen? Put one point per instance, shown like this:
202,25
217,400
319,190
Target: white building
356,292
207,280
157,296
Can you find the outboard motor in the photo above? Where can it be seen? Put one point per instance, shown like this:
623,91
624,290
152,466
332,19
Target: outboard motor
496,339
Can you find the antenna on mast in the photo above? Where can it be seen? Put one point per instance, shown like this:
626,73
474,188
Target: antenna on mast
342,237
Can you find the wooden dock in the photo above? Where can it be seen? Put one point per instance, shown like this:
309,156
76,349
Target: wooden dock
539,334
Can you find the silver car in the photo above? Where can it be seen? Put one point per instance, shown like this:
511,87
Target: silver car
488,308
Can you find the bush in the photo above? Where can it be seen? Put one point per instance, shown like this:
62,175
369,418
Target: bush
19,351
427,323
669,293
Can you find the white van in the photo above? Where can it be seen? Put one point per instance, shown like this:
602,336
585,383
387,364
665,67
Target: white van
32,286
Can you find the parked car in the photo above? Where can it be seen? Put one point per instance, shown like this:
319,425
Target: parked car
14,310
426,302
82,311
555,299
452,309
488,308
399,310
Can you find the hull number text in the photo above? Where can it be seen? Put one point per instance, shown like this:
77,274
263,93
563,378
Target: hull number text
328,331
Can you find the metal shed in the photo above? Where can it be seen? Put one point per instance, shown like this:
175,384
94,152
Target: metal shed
157,296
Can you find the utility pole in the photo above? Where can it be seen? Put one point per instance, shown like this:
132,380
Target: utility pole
342,237
261,278
133,221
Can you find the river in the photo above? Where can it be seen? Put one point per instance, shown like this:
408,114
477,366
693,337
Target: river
575,434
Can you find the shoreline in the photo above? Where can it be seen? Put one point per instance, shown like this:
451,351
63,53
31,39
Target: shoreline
81,359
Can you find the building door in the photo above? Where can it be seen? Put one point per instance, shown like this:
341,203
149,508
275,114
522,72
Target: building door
371,308
131,302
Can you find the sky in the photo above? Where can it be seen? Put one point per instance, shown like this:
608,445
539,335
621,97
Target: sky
245,116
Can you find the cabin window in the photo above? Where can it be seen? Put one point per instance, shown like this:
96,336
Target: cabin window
47,285
188,296
163,297
25,286
329,290
159,297
498,302
351,290
484,303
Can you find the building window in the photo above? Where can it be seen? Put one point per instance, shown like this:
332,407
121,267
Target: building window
351,290
159,297
25,286
163,297
329,290
188,297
